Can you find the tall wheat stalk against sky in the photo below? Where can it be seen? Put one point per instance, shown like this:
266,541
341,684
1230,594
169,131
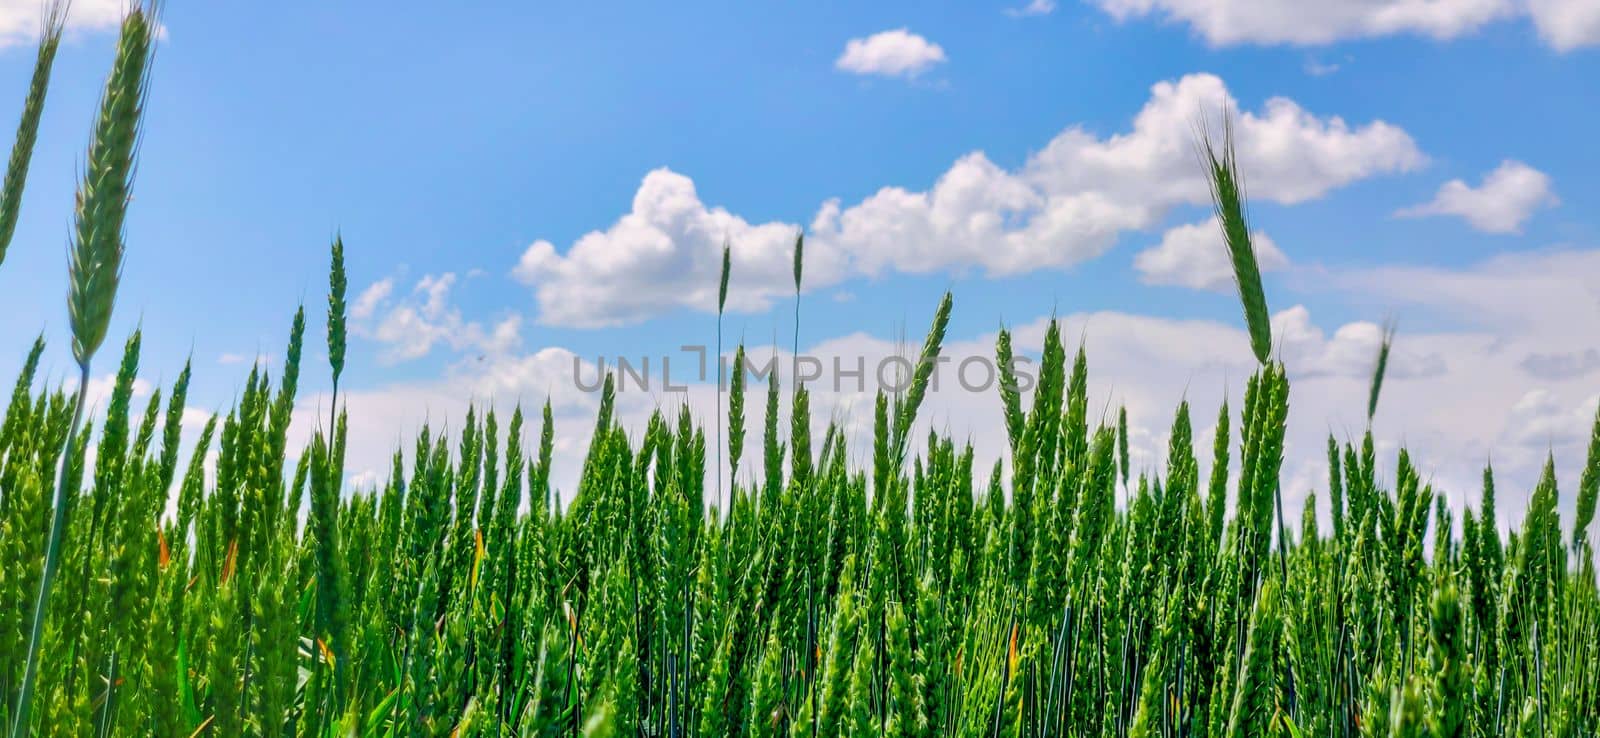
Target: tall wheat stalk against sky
94,271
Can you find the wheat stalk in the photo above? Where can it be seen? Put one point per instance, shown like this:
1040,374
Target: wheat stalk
799,265
722,302
1228,199
55,19
94,271
906,413
336,321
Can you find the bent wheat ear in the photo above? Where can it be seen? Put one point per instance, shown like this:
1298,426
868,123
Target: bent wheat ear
907,412
1228,198
95,261
1378,370
799,263
799,257
722,287
722,301
28,128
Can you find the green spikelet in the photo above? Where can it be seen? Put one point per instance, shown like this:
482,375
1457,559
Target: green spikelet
336,309
858,721
1451,672
1378,370
95,266
719,687
171,432
904,717
906,413
722,301
1217,490
772,449
800,463
1335,488
1147,716
766,694
330,610
1122,444
1010,395
55,18
17,408
722,283
736,414
1588,486
799,257
1228,199
1407,713
1255,696
834,685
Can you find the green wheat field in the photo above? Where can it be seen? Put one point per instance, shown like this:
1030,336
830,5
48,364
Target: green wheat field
918,597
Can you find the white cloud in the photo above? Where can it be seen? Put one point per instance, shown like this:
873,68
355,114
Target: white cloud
1321,69
1541,418
1566,24
1034,7
1065,204
665,253
1563,24
1351,352
1229,22
1194,256
409,327
1555,294
1561,365
369,299
896,53
1506,198
21,20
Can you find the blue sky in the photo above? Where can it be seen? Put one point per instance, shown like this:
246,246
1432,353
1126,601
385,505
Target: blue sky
466,154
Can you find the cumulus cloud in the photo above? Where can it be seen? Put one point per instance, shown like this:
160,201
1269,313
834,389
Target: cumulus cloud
1321,69
21,20
1067,203
1563,24
367,302
896,53
1561,365
1555,294
1194,256
1229,22
664,253
1351,353
1507,197
1034,7
1566,24
410,326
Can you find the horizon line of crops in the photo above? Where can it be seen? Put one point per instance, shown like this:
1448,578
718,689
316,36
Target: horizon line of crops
918,597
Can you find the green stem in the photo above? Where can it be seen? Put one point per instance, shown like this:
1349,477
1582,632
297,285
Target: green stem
333,412
52,558
718,419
